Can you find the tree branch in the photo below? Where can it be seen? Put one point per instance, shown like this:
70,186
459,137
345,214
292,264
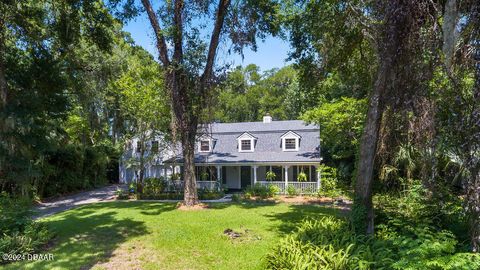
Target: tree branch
161,44
178,34
215,39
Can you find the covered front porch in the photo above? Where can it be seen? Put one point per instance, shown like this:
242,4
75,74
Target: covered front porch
240,176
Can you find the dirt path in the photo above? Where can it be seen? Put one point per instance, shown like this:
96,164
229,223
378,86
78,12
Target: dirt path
68,202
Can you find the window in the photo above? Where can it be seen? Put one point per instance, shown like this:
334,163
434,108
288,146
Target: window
154,146
290,144
246,142
290,141
246,145
139,146
205,146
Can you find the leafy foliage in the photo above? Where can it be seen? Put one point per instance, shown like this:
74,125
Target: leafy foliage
262,191
247,95
331,243
329,183
20,234
270,176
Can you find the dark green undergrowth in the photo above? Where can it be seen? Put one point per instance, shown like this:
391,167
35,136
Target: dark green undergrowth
19,234
412,232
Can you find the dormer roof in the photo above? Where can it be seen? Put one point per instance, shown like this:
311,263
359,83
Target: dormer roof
290,134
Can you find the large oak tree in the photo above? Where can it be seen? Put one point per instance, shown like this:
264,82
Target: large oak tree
188,35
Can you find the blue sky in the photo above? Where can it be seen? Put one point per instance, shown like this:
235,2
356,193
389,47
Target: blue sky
270,54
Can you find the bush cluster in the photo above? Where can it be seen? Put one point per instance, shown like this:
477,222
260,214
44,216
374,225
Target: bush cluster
408,236
331,243
261,191
20,234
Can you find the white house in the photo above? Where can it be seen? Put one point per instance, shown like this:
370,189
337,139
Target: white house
236,155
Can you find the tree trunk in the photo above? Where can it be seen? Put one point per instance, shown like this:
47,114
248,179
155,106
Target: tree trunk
393,54
3,94
3,80
190,184
142,167
368,148
450,16
473,206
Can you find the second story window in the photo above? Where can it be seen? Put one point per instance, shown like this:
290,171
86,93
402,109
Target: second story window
205,146
290,141
246,145
154,146
290,144
246,142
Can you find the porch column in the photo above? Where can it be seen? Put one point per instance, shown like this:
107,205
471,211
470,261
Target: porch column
219,176
165,172
255,174
319,177
286,177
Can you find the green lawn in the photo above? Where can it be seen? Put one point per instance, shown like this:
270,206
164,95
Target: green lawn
126,235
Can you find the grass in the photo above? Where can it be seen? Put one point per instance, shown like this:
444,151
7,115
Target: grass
147,235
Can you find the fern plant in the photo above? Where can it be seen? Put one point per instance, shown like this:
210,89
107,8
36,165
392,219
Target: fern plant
302,177
270,176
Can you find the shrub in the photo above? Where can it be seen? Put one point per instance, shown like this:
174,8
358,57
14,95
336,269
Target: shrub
408,237
20,234
273,190
154,186
261,191
132,188
122,194
291,191
328,182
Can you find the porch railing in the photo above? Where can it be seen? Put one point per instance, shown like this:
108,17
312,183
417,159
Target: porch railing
300,187
304,187
210,185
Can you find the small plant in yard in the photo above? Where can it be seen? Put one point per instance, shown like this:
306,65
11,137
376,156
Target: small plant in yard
270,176
291,191
122,194
132,188
273,190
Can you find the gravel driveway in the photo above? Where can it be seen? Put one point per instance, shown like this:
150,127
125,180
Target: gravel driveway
68,202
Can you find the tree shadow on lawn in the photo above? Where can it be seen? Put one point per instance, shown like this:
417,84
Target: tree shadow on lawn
298,213
89,234
293,217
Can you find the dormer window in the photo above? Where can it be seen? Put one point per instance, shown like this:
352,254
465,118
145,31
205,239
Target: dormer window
246,145
290,141
246,142
204,146
290,144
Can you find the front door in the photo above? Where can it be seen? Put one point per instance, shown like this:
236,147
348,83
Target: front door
245,176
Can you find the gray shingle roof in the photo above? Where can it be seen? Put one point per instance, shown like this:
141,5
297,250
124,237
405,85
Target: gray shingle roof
268,147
